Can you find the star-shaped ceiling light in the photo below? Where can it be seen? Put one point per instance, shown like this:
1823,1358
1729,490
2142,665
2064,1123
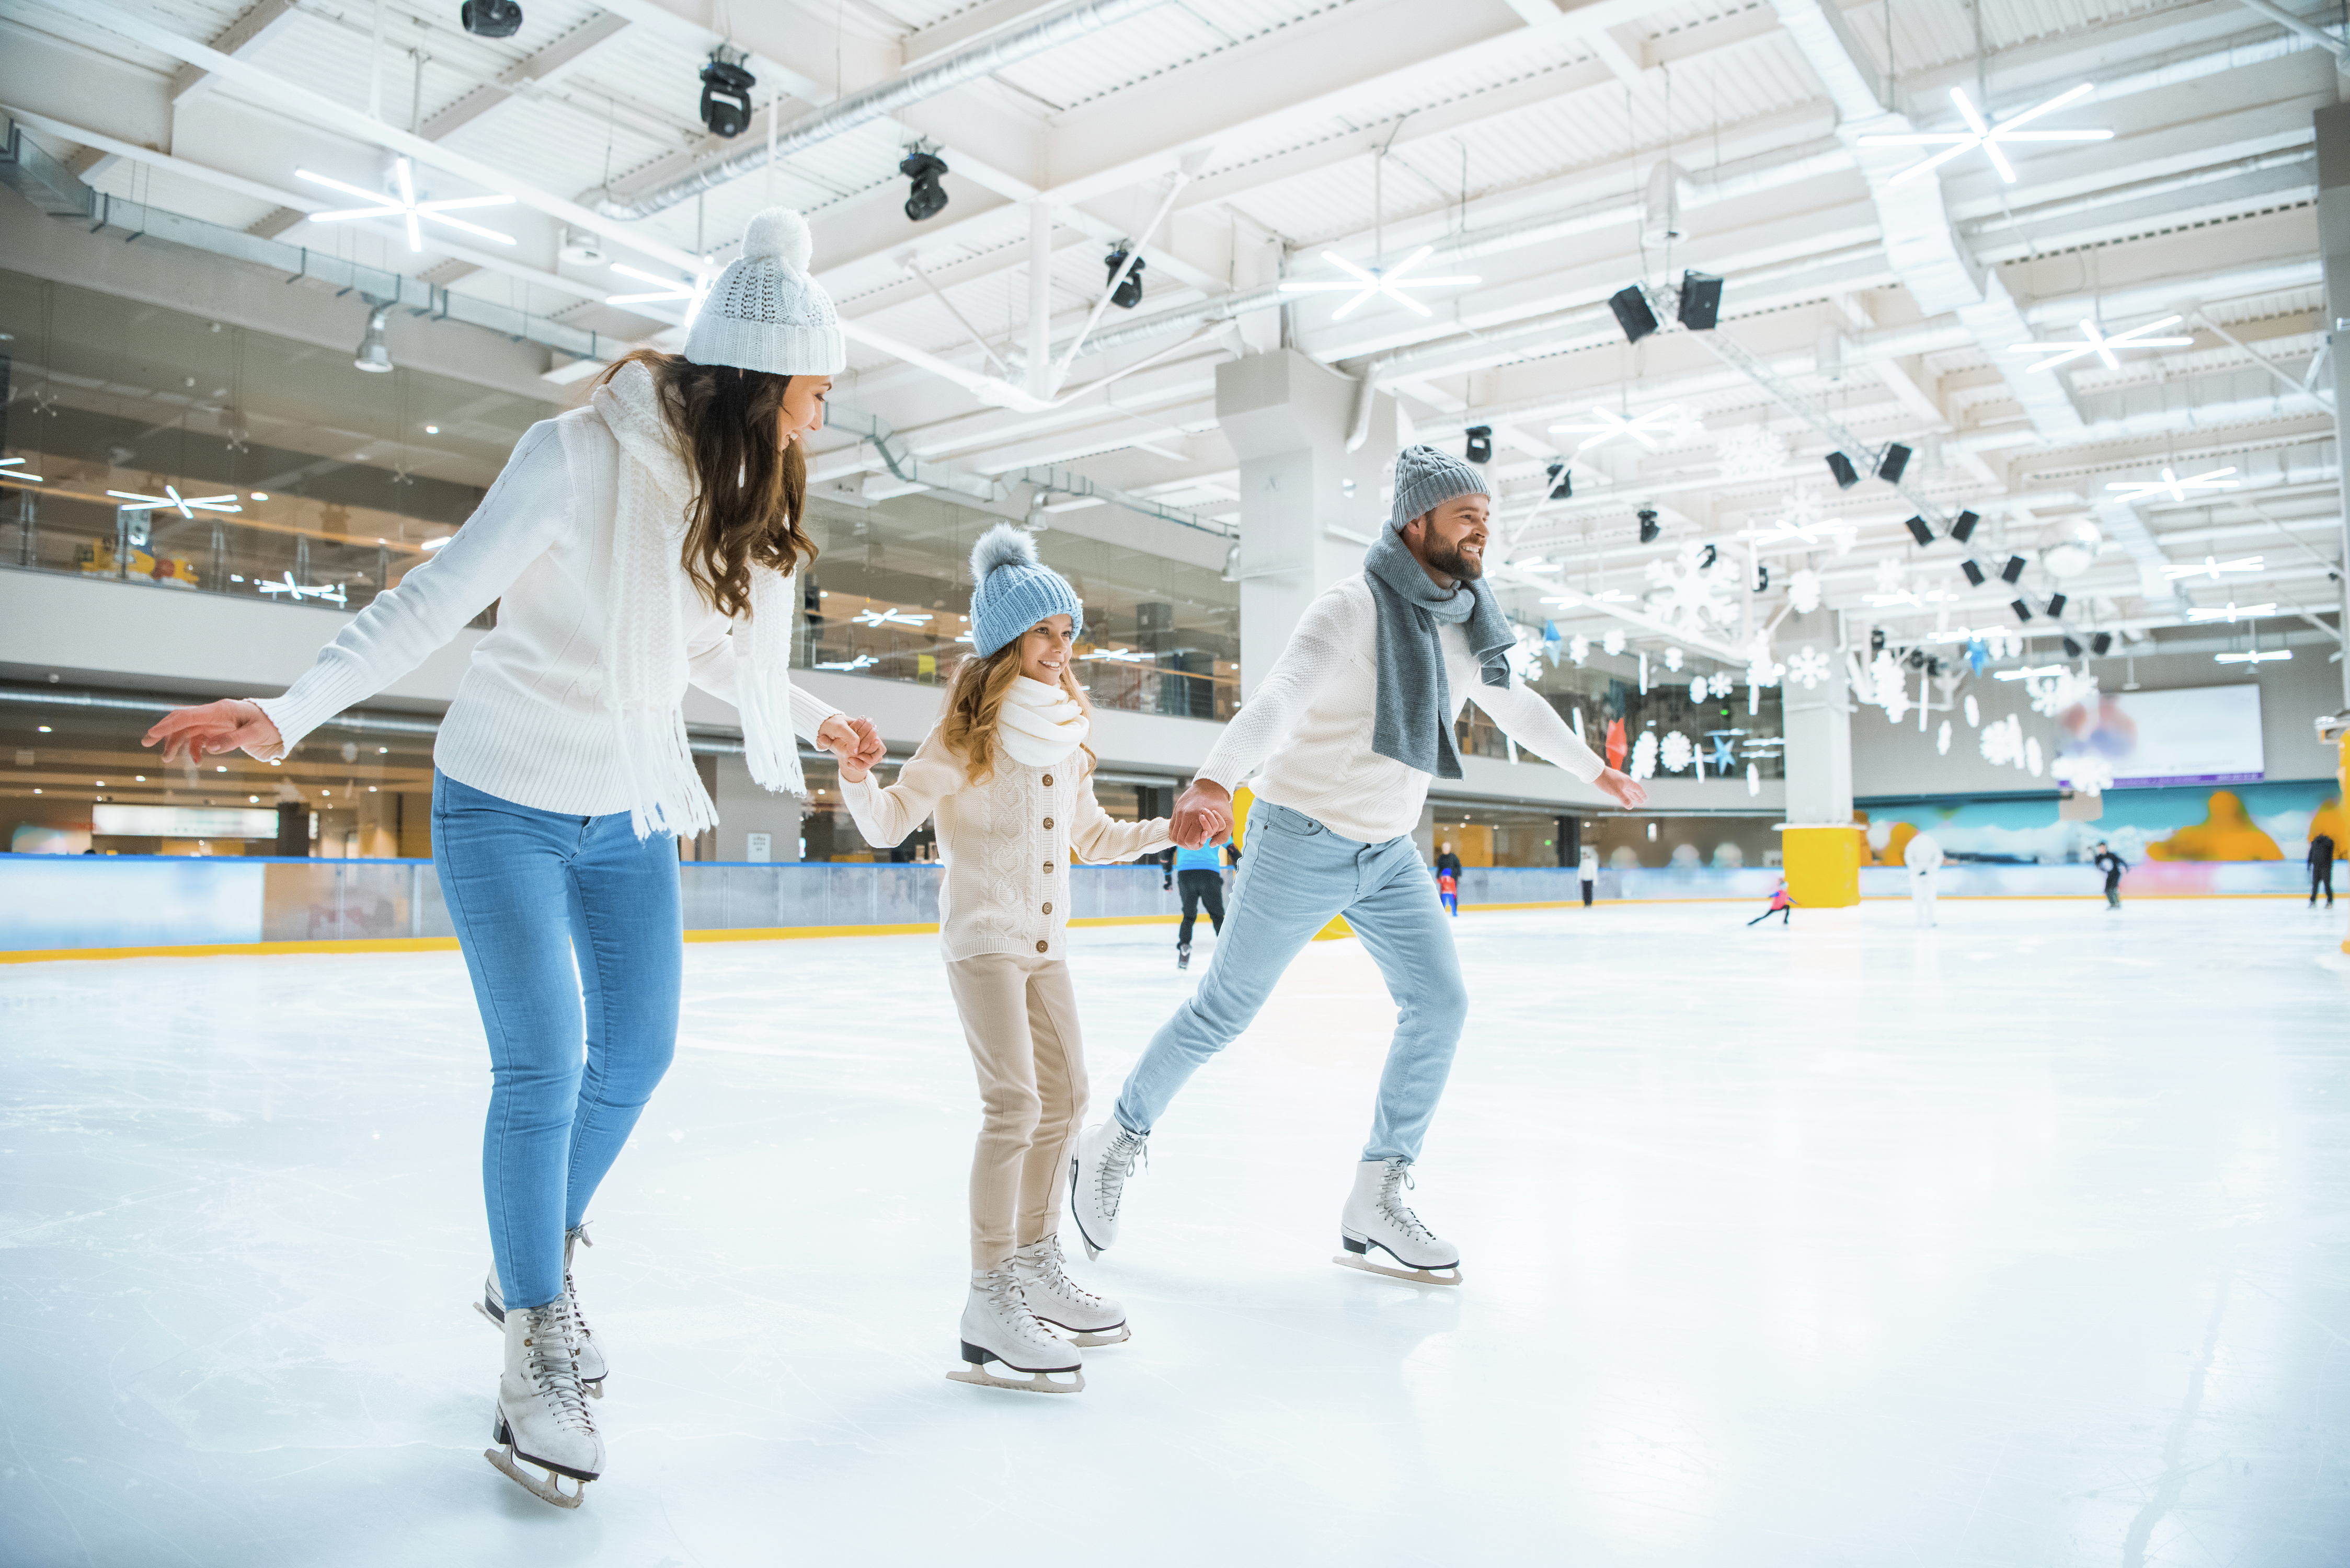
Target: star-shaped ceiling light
2092,341
890,617
1120,655
14,468
186,506
2232,614
2212,568
689,292
2170,485
1390,280
1990,137
1608,424
402,203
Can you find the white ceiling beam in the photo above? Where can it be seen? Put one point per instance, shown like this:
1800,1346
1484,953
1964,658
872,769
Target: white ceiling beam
263,19
546,66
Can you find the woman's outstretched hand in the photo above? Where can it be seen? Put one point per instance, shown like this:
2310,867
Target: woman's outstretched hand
855,744
190,734
1624,787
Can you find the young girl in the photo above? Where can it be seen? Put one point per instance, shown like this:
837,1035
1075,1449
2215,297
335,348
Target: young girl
1782,905
1006,772
634,544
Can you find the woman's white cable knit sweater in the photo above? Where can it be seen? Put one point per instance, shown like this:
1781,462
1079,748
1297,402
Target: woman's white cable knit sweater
532,721
1005,842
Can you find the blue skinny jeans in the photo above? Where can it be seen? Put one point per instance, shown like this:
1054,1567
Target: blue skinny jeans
1296,875
531,891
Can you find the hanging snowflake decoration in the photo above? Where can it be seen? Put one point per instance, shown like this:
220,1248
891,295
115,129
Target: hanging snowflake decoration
2002,742
1749,452
1525,657
1753,780
1690,593
1578,648
1699,689
1942,740
1644,756
1675,754
1672,659
1759,670
1890,576
2032,758
1803,591
1614,641
1974,714
2052,694
1808,665
2084,773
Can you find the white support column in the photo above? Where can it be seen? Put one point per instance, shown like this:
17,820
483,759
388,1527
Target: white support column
1820,844
1309,506
2333,243
1040,299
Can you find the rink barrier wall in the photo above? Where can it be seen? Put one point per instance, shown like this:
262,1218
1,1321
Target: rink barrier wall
124,906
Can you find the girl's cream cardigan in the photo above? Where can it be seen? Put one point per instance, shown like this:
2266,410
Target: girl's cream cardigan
1006,843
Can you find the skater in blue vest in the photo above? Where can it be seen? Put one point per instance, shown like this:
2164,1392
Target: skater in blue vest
1200,876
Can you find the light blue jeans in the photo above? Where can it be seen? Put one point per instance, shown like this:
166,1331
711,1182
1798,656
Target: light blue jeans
1295,875
529,891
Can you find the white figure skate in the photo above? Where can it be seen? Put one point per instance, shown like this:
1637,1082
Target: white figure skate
493,1306
998,1326
1106,1155
1377,1216
542,1413
1059,1301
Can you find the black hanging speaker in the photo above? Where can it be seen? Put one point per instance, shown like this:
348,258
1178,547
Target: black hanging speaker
2023,611
1920,532
1976,577
491,19
2072,649
2102,643
1964,529
1480,443
2013,571
1893,463
1846,476
1701,300
1632,313
2055,606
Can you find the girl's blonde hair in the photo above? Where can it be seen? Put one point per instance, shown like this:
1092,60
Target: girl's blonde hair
975,702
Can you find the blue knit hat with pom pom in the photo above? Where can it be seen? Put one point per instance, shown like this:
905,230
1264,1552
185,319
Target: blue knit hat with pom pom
765,312
1013,590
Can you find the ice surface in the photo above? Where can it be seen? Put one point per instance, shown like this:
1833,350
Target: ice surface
2020,1242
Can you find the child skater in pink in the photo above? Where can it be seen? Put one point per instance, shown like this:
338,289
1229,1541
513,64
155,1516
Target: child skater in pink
1780,905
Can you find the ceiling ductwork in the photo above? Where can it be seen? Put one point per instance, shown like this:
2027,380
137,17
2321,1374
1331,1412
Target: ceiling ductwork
1064,26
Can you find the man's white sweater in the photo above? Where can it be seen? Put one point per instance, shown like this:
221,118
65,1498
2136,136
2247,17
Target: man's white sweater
1305,734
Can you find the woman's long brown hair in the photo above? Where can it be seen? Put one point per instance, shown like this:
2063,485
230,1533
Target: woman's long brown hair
975,702
748,498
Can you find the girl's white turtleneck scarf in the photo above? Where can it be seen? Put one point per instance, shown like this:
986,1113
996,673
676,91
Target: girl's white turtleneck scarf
1039,724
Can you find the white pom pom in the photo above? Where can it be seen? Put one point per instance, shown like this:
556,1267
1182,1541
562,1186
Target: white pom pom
1005,544
780,234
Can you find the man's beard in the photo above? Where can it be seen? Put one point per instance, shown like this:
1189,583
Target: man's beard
1455,565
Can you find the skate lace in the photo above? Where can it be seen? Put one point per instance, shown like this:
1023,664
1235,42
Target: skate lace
1126,1150
569,1301
1392,1206
1045,1259
554,1375
1010,1304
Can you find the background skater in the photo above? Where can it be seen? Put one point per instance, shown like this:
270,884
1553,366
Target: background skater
1199,874
1782,905
1923,856
1342,738
2113,866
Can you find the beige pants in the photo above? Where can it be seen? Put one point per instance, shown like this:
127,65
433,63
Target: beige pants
1020,1015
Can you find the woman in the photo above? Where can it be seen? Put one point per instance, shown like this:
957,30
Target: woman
1008,773
634,544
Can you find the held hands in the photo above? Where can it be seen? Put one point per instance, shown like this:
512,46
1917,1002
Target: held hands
1624,787
1204,815
854,742
190,735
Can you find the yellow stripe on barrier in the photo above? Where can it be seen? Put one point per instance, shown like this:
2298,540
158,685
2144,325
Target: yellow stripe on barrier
224,950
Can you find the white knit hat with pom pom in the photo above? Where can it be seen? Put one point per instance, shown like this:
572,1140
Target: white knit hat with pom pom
765,312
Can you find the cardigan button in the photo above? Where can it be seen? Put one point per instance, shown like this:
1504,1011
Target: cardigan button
1048,867
1048,781
1040,947
1048,822
1048,908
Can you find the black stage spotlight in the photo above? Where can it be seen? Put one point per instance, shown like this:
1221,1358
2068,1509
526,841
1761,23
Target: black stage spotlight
927,200
1128,293
2102,643
1700,301
1973,569
1480,443
2072,649
2023,611
726,95
1632,313
1562,481
1920,532
1893,463
2055,607
1841,466
1762,578
1876,640
1650,527
2013,571
1964,529
491,19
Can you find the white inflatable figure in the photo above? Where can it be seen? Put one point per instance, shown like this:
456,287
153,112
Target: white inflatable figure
1923,856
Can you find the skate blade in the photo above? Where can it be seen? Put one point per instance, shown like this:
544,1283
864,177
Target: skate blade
595,1388
486,1318
1117,1335
547,1491
1417,1276
1033,1382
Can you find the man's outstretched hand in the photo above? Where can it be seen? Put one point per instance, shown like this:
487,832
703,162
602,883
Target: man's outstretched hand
1625,789
1204,815
854,742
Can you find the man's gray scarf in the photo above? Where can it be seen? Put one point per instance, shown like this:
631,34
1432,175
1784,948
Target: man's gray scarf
1413,724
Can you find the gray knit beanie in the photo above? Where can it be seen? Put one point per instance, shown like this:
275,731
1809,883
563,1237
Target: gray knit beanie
1426,478
765,312
1013,590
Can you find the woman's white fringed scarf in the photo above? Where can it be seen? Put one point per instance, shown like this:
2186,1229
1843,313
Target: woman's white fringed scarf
653,506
